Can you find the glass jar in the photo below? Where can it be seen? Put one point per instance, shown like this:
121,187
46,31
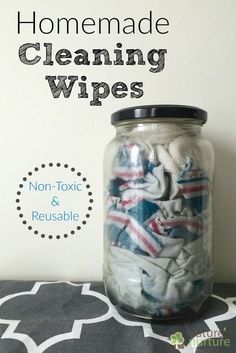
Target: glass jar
158,174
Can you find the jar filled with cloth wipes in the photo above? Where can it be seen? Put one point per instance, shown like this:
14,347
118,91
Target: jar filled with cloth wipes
158,174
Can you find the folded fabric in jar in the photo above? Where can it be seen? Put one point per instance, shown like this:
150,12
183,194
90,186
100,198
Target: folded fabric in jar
166,160
120,238
150,165
161,134
143,210
173,294
194,185
156,219
199,150
120,275
181,232
121,258
204,148
181,148
170,208
154,185
129,163
186,228
196,264
114,186
131,194
123,281
127,204
195,247
111,202
192,224
147,151
160,279
143,238
171,247
171,167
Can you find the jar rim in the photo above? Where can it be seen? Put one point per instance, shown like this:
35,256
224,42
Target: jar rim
159,111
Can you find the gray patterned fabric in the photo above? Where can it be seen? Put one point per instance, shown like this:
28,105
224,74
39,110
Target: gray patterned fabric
66,317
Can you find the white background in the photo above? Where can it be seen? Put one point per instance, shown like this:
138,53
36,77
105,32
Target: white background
36,128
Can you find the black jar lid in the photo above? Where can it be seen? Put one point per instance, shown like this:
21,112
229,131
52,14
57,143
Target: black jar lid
159,111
